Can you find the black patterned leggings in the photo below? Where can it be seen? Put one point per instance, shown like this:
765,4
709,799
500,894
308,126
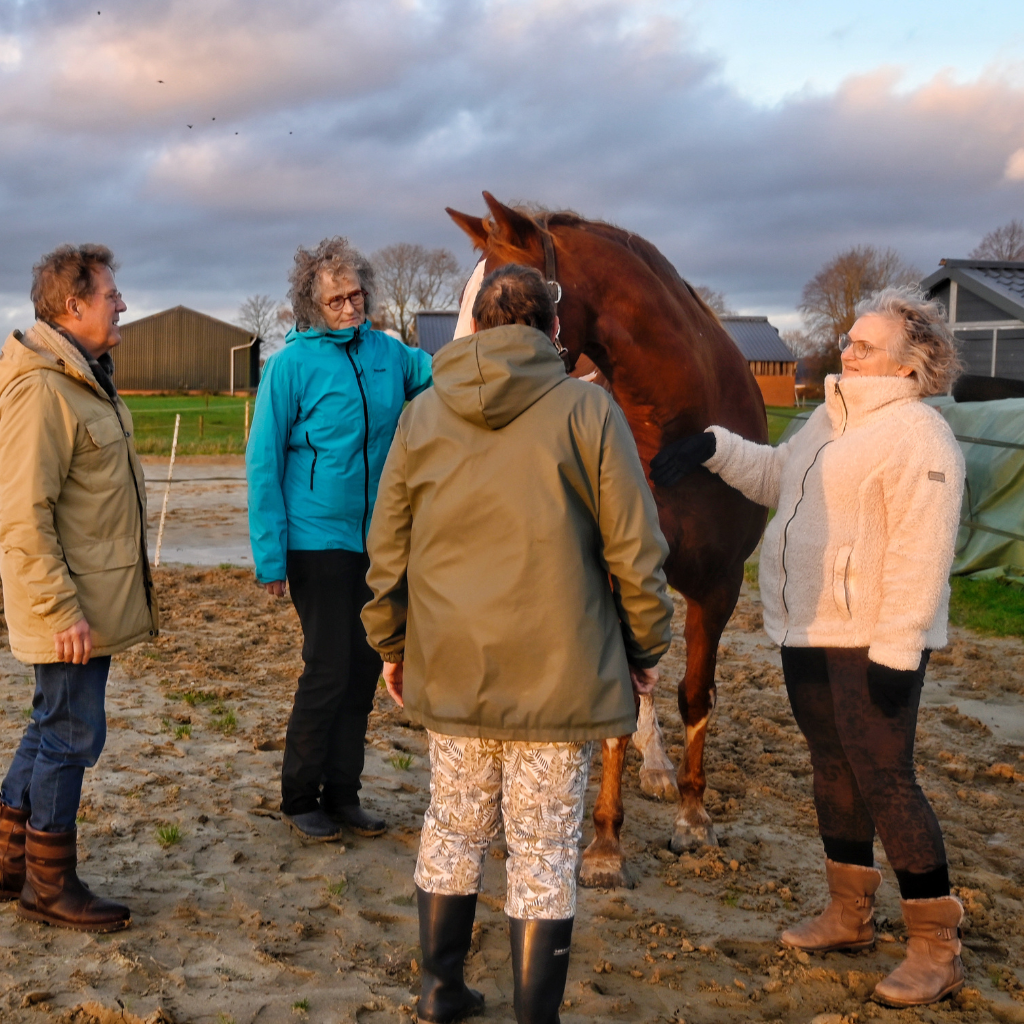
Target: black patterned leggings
859,720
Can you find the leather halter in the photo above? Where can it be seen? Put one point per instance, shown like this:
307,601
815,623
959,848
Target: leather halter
551,279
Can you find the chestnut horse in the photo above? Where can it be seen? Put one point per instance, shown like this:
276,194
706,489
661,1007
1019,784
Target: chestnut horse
674,370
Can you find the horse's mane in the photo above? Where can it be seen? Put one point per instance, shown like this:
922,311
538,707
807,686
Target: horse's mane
638,246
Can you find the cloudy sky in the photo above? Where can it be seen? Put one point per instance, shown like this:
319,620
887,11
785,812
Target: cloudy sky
749,140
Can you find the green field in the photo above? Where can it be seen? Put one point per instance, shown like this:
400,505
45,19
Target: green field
210,424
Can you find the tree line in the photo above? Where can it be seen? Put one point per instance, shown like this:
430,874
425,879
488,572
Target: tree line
412,278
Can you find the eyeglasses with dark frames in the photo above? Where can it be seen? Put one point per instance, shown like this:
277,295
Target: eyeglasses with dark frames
355,299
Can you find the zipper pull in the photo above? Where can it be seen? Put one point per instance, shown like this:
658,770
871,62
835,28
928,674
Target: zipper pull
836,386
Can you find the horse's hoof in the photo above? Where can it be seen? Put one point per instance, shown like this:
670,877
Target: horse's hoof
690,837
659,784
603,867
605,873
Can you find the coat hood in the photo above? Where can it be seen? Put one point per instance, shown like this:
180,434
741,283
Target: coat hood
43,348
491,377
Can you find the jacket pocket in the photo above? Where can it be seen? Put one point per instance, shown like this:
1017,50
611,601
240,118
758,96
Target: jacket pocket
841,582
105,431
117,553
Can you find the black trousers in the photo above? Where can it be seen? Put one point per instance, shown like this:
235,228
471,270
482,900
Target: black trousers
859,721
327,729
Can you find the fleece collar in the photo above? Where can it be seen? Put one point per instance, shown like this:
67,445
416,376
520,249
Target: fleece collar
52,345
852,403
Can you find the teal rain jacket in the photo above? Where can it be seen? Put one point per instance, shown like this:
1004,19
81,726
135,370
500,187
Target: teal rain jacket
325,415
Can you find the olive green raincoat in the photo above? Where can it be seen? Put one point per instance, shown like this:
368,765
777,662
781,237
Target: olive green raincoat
516,557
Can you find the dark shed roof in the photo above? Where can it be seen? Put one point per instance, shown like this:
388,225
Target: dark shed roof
997,281
757,339
435,329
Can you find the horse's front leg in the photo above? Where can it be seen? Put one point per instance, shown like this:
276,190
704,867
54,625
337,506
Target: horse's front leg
705,621
658,773
603,864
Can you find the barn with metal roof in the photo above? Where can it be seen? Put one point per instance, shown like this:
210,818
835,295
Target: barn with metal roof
182,350
769,358
985,301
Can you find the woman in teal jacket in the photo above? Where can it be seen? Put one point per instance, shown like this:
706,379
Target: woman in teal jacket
325,415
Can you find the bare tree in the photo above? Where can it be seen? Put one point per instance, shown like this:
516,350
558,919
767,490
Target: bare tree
830,298
269,320
412,278
716,300
1005,243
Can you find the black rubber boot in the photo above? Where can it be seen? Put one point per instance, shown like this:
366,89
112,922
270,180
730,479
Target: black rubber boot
540,964
446,930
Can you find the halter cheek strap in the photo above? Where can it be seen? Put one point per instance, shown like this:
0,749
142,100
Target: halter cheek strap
551,279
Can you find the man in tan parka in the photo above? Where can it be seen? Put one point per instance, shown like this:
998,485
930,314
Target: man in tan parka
76,580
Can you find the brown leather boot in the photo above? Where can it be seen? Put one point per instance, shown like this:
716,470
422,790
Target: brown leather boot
848,921
12,851
932,968
53,892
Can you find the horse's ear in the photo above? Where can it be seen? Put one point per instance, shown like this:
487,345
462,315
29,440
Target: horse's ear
513,227
473,226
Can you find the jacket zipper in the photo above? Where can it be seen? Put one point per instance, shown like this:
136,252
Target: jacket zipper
366,444
312,469
796,508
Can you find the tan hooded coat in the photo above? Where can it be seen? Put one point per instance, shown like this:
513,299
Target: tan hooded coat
72,503
516,557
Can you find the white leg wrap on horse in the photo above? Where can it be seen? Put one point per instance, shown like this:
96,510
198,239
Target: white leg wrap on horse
649,739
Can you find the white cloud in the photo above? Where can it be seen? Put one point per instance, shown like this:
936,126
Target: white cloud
368,117
1015,166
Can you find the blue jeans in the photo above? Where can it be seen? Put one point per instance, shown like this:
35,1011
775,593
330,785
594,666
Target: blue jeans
64,737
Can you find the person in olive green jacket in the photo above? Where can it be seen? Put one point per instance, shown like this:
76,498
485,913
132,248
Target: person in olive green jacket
76,580
519,602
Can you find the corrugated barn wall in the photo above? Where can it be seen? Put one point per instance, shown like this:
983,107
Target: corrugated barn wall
182,350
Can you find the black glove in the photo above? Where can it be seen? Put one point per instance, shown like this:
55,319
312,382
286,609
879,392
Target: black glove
680,457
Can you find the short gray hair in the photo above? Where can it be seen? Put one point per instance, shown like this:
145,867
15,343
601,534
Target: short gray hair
335,255
924,343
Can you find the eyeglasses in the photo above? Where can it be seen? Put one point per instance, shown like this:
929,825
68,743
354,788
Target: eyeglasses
859,349
355,298
113,297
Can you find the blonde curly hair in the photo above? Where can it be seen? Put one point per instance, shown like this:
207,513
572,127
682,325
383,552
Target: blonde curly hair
924,343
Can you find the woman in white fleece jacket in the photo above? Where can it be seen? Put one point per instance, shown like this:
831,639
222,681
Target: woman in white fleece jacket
854,580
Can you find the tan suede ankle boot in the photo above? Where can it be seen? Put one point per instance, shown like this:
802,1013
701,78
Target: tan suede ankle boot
848,921
932,968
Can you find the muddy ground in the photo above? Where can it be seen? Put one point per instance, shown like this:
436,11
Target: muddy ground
238,921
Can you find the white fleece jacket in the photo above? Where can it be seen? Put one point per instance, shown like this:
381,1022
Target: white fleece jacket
868,496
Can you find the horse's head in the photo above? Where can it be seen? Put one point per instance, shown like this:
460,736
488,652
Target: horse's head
509,235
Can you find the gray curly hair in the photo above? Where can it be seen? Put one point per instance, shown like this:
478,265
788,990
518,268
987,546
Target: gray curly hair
925,343
335,255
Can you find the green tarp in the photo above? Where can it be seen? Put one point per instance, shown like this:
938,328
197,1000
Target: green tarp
991,538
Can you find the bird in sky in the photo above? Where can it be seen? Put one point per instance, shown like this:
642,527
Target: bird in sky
188,126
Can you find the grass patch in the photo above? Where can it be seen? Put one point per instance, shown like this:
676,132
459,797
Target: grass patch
183,731
338,889
27,712
403,762
226,723
194,697
987,606
300,1006
223,426
752,573
780,417
168,835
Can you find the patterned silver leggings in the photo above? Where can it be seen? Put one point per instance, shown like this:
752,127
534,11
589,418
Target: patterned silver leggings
538,788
